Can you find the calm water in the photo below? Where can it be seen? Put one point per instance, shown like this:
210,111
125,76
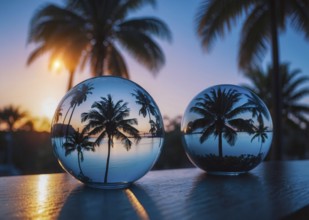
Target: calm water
243,145
124,166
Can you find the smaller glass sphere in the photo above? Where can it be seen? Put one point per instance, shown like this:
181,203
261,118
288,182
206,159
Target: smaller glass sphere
107,132
227,130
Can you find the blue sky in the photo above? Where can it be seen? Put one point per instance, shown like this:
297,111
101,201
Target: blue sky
188,69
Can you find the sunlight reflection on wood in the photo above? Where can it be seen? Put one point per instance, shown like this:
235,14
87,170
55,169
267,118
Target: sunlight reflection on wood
137,206
274,189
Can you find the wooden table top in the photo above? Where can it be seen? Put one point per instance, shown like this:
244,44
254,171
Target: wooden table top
273,190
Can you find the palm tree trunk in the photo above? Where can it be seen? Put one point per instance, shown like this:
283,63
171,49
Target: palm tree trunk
79,165
149,115
66,114
71,76
67,130
276,84
150,121
108,156
220,144
260,147
99,65
9,147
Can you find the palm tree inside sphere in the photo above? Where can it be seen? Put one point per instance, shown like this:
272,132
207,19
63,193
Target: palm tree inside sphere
219,110
147,108
79,95
109,119
79,141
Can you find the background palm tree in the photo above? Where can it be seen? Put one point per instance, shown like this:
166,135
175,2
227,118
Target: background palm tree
109,119
92,30
293,91
147,108
219,111
11,115
78,142
263,19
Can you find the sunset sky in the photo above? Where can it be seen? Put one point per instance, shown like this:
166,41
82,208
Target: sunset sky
188,69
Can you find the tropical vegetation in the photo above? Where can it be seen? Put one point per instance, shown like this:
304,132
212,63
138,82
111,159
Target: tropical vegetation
295,110
11,115
96,32
262,21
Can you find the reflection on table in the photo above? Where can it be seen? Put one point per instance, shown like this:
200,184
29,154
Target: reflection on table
271,191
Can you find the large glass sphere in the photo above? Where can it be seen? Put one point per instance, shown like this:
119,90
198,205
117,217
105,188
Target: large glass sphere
227,130
107,132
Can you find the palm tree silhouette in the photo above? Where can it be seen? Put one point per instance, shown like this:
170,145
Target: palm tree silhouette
147,108
11,115
256,106
79,96
260,131
263,19
293,90
109,119
219,111
156,126
91,31
79,142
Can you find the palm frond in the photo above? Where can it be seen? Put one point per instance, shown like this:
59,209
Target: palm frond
148,25
299,16
201,123
255,37
242,125
207,132
131,5
230,135
115,63
36,53
214,18
143,49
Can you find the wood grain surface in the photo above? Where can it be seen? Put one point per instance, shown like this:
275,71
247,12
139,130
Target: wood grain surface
273,190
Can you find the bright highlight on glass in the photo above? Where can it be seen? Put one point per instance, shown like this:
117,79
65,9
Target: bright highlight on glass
227,130
107,132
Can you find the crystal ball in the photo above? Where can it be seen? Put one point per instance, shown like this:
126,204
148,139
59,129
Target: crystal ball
226,130
107,132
